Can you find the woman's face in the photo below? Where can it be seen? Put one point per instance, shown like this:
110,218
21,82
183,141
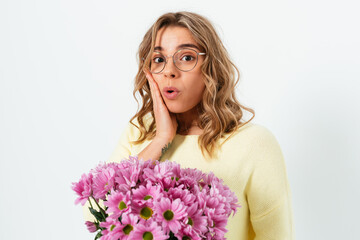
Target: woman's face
190,84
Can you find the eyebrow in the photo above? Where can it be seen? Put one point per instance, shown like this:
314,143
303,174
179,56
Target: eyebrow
158,48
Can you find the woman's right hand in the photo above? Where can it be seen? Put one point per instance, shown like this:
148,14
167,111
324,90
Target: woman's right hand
166,124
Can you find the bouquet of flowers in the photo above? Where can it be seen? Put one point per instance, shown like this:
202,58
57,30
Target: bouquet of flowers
155,200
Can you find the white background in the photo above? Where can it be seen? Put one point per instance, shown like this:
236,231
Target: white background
66,80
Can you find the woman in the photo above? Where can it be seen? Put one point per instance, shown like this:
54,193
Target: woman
190,115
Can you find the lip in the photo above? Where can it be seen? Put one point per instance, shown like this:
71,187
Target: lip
172,95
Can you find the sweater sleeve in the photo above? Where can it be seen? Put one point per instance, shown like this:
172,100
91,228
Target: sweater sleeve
268,191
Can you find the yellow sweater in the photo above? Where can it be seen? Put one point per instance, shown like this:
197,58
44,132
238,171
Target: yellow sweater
250,163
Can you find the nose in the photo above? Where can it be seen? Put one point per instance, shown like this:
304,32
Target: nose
170,69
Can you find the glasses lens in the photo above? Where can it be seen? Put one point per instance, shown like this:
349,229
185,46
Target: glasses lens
157,62
185,59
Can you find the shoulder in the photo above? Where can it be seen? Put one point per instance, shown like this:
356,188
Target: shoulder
257,139
254,132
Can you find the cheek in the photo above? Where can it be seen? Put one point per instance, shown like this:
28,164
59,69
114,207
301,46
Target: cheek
196,89
198,82
157,80
200,91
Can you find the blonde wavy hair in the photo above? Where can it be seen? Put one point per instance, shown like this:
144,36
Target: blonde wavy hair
219,111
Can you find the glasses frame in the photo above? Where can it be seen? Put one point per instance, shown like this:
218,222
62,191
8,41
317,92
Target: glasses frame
172,56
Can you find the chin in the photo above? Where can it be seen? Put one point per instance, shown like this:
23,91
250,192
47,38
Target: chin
176,110
173,108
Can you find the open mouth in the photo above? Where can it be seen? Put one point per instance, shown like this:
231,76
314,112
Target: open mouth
171,94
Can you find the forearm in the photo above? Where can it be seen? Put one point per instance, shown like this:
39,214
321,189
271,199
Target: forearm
154,150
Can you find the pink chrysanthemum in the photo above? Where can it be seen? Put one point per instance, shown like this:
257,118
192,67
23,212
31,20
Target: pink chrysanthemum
129,222
91,226
188,233
171,214
211,178
145,210
183,194
118,203
113,229
163,170
103,182
149,231
195,219
148,200
219,225
225,196
121,182
83,188
128,178
190,177
216,223
146,193
131,174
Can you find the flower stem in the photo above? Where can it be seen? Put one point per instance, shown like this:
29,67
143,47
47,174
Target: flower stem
90,202
92,207
101,210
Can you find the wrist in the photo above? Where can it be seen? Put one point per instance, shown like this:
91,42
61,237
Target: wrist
164,145
162,141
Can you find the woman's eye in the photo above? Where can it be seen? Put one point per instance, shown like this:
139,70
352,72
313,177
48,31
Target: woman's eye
158,60
187,58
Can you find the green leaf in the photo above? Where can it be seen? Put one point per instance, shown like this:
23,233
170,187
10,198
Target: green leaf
97,215
172,237
99,235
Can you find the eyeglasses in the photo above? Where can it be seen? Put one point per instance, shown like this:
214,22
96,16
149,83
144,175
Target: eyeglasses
184,59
